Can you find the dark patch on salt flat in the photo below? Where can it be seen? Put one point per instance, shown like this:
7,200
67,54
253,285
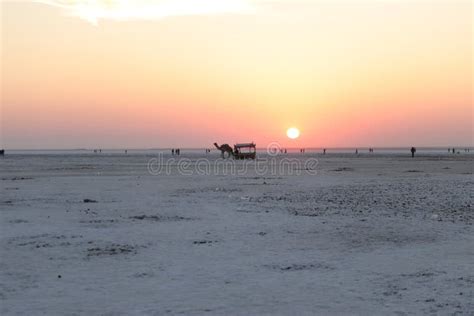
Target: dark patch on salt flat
187,192
204,242
18,221
85,167
143,275
99,221
45,241
241,210
260,178
88,212
18,178
160,218
427,273
342,169
111,250
300,267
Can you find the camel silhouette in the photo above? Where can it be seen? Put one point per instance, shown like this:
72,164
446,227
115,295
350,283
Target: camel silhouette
225,148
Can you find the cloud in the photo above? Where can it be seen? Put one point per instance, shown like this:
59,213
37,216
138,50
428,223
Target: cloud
123,10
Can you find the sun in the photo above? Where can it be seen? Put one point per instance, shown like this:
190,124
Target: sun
293,133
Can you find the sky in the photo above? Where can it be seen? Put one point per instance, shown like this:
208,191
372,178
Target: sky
188,73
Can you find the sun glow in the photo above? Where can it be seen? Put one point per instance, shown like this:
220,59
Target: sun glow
293,133
122,10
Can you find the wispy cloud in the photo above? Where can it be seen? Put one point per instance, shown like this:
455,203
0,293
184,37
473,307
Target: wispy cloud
123,10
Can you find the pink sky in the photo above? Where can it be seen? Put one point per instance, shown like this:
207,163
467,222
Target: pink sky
169,73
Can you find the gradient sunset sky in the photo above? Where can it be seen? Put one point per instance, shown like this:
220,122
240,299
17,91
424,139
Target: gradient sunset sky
187,73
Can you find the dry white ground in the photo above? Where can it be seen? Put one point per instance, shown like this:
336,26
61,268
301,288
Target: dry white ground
379,234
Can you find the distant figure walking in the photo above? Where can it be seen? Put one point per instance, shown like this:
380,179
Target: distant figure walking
172,151
178,151
357,151
413,151
126,151
324,151
454,150
2,152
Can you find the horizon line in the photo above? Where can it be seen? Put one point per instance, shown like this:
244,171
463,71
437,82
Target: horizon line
261,148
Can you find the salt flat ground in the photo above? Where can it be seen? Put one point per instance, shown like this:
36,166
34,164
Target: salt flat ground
368,234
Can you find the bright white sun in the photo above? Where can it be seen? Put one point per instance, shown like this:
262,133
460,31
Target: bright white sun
293,133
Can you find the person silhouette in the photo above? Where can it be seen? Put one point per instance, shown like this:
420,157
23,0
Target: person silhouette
413,151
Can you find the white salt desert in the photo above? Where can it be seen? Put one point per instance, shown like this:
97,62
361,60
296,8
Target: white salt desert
368,234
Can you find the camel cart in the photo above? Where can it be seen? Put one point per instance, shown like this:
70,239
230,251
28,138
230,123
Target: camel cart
245,151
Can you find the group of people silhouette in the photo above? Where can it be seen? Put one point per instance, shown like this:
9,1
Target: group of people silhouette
453,150
176,151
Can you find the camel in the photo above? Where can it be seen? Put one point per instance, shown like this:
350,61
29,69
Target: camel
225,148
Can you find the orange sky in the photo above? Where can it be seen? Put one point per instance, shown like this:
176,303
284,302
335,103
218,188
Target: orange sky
346,73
